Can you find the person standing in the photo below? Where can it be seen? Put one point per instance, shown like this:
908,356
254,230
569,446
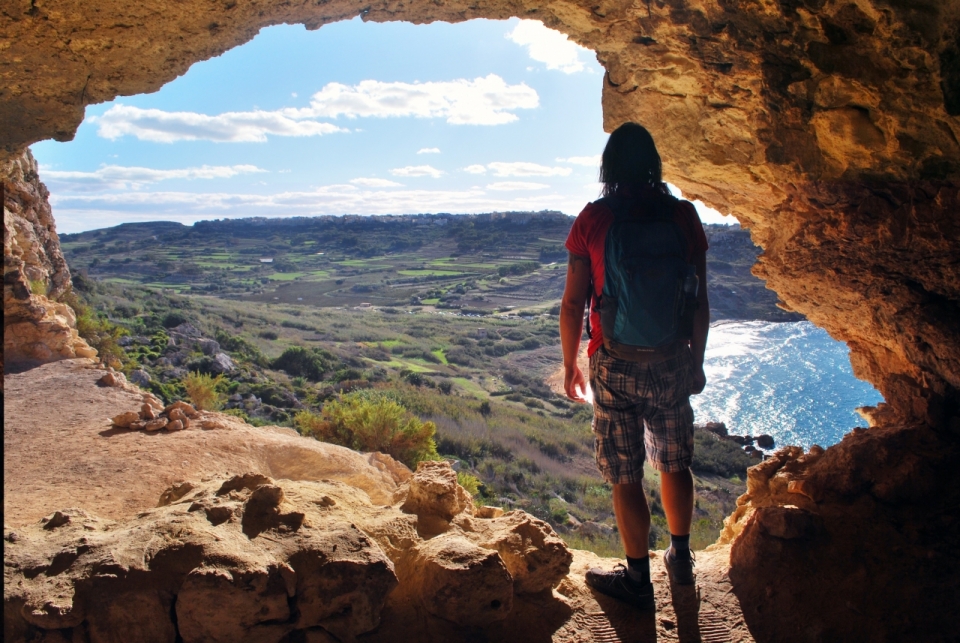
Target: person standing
638,259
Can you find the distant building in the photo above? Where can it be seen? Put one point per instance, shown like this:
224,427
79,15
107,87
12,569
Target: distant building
481,333
266,259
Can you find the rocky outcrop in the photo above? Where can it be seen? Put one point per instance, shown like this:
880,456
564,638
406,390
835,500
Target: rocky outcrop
249,558
36,327
831,129
855,542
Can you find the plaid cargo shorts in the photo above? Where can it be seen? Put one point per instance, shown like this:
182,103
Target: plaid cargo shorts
641,409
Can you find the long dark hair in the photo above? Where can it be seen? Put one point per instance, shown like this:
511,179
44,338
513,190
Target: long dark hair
631,163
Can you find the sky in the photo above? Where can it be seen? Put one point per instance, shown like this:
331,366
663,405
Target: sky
353,118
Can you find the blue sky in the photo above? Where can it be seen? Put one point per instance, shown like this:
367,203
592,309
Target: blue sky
354,118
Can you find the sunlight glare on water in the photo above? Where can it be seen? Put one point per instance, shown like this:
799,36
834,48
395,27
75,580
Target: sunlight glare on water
789,380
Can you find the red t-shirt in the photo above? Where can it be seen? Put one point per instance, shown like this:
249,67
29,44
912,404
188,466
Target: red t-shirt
588,238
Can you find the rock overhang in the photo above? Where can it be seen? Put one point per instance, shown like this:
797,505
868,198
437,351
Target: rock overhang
830,129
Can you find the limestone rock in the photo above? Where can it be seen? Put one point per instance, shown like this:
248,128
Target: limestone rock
37,328
111,378
147,412
156,424
536,557
120,581
182,407
174,425
435,496
462,582
488,512
124,420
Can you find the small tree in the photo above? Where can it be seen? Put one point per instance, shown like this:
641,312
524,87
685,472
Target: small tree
367,421
204,391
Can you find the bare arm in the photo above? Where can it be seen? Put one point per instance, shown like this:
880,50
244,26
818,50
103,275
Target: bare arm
701,324
572,305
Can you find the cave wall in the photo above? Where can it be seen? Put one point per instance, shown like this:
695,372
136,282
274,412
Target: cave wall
829,128
37,328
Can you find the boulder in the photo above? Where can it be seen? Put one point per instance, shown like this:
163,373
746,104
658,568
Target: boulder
140,377
222,364
536,557
156,424
187,409
124,420
433,491
209,347
765,441
462,582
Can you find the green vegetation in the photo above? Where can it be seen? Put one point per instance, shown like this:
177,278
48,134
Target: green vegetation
204,391
38,286
371,421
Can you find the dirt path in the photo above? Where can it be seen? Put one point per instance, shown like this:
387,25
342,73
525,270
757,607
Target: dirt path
60,451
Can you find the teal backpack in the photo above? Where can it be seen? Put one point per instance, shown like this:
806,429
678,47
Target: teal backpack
648,295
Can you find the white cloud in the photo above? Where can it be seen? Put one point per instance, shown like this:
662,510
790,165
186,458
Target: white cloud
429,150
481,101
294,94
376,183
122,178
548,46
475,169
526,169
230,127
510,186
417,170
591,161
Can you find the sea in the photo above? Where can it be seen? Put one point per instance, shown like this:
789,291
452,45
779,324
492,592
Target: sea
788,380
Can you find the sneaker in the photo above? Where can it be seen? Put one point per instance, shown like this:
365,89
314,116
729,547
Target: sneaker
617,584
680,569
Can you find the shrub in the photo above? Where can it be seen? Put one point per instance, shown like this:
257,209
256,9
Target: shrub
204,391
311,364
268,334
367,421
713,455
469,482
173,319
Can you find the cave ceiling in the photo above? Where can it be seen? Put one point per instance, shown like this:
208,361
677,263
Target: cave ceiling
830,129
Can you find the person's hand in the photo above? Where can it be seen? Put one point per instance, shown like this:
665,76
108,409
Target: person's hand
699,380
574,385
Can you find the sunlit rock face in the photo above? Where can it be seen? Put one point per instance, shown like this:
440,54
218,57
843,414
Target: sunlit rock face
830,129
36,327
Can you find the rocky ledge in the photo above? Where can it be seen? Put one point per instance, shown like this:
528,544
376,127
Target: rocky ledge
249,558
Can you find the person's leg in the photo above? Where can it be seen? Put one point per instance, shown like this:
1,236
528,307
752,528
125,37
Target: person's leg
669,447
633,518
676,491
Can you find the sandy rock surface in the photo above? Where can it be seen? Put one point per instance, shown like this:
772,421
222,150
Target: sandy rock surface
68,453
